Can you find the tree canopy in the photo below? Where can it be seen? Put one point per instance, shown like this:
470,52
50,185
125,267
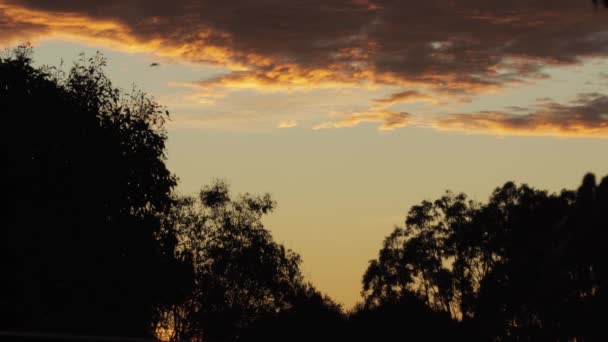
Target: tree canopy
525,265
84,186
240,273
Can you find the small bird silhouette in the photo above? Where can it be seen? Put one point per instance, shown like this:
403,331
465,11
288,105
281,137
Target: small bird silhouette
154,64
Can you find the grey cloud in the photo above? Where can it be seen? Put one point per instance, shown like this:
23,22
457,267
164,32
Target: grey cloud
450,44
585,116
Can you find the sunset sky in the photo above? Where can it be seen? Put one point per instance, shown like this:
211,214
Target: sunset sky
350,111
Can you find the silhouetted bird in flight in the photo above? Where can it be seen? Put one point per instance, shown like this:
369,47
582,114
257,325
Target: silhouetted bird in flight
154,64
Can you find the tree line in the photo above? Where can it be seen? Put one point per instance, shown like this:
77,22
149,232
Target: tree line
96,242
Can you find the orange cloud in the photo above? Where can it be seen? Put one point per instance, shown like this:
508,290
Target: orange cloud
587,116
473,45
404,97
283,77
390,120
28,24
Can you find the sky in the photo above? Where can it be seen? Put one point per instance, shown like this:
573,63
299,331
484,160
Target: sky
350,111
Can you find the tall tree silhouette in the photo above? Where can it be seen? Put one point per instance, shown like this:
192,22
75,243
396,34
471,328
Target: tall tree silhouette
419,259
84,185
513,299
240,273
581,253
526,265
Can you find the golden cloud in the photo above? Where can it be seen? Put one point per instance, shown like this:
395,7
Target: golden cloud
404,97
23,24
390,120
587,116
470,44
287,124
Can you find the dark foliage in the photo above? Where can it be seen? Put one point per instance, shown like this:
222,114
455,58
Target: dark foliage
84,183
406,318
240,274
527,265
309,317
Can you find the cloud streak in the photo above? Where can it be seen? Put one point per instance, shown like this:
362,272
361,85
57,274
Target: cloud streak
389,120
586,116
405,97
287,124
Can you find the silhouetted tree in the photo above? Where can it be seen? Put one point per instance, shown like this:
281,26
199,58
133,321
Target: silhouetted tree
309,316
582,260
403,318
83,187
240,273
420,258
527,265
513,300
